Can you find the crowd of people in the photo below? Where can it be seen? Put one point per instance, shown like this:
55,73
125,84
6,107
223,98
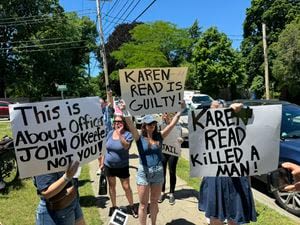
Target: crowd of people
223,199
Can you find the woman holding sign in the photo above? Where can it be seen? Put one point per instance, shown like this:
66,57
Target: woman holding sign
150,175
116,162
227,198
59,198
170,160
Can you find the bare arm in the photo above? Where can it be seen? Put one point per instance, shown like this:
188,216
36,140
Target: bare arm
59,185
123,141
295,170
165,132
110,100
132,128
129,122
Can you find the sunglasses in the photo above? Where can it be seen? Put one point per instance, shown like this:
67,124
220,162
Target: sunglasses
152,123
118,121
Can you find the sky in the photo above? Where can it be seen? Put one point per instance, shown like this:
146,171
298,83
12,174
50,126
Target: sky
227,15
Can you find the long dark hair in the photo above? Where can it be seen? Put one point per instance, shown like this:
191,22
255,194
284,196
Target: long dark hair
155,134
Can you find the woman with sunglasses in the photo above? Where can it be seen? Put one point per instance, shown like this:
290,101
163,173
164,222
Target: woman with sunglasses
116,162
150,175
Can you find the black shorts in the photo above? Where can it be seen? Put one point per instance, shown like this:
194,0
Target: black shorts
122,173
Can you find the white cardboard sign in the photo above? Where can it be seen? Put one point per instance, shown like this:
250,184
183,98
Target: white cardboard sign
152,90
223,145
171,145
49,135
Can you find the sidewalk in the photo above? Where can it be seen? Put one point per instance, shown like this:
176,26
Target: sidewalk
184,212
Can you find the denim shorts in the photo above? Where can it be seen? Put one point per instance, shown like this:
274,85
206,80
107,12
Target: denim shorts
42,215
68,215
150,175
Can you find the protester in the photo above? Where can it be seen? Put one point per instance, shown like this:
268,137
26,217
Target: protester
107,111
116,162
227,198
295,170
171,161
150,170
59,198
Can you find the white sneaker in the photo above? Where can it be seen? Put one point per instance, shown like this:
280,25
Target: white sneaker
207,220
2,185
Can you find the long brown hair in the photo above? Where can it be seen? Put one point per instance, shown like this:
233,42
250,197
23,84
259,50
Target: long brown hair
155,132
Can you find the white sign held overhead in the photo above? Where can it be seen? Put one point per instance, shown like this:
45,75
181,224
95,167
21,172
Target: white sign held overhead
49,135
222,144
152,90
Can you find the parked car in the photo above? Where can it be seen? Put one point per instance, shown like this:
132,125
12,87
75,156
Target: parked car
196,100
289,150
4,112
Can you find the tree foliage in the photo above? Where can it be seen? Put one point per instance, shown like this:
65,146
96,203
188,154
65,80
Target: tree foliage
286,65
31,60
157,44
276,14
218,65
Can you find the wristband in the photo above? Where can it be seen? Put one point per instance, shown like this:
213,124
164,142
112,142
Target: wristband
66,179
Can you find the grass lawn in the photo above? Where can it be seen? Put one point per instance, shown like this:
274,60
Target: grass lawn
266,215
18,201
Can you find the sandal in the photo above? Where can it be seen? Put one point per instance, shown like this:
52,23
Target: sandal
133,211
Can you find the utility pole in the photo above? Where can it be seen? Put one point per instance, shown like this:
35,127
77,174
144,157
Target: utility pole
102,45
266,61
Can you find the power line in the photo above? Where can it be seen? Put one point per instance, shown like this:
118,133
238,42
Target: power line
121,15
53,49
46,14
116,15
144,11
42,45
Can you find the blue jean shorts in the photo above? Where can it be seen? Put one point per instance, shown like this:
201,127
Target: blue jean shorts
68,215
42,215
150,175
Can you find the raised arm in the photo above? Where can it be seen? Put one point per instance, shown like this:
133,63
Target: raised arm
129,122
165,132
110,101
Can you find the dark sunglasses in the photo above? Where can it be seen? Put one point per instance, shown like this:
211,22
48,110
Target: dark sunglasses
118,121
152,123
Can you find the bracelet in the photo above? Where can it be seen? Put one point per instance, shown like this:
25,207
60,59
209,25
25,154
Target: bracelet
66,179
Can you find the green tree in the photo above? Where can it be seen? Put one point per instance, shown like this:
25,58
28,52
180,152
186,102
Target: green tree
286,65
276,14
158,44
47,46
218,65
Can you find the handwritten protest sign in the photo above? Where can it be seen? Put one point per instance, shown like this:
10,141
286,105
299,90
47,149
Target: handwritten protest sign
49,135
170,145
152,90
118,218
222,145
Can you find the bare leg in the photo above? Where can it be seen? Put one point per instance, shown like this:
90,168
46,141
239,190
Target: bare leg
126,187
155,190
112,190
143,191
